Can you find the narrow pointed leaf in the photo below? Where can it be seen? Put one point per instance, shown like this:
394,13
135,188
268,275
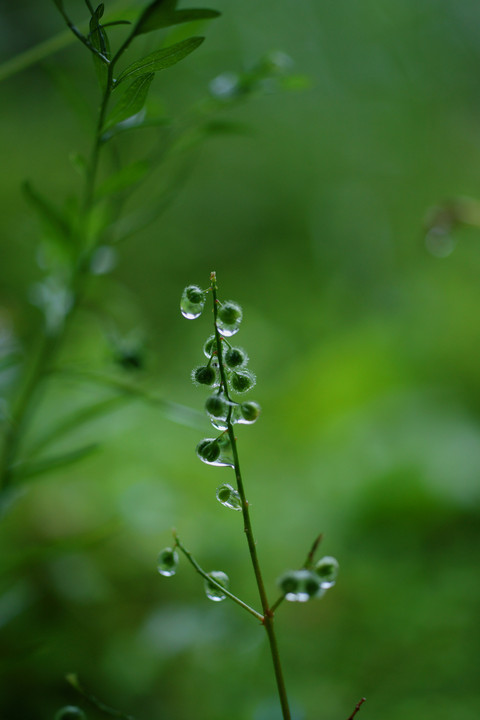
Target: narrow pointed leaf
163,18
156,9
54,223
161,59
132,100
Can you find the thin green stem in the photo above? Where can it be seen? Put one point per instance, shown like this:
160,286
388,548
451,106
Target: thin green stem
212,580
268,618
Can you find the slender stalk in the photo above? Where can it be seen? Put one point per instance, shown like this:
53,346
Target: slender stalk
50,343
211,580
268,617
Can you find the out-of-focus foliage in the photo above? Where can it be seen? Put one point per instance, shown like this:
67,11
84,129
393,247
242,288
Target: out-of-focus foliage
365,344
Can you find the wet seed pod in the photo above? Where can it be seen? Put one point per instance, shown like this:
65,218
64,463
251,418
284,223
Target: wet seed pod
242,380
229,317
212,591
235,357
327,570
167,562
204,375
192,302
248,412
70,712
210,346
208,451
217,405
300,585
229,497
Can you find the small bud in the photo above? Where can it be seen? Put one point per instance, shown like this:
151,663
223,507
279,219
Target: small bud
327,571
70,712
208,451
229,497
167,562
213,592
235,357
204,375
229,318
242,380
248,412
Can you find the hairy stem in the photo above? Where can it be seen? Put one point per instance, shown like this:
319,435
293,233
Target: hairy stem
268,618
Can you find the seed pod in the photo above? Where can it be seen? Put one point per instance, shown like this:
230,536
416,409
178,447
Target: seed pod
208,450
242,380
248,412
327,571
167,562
235,357
212,591
204,375
229,497
229,317
210,346
217,406
192,302
300,585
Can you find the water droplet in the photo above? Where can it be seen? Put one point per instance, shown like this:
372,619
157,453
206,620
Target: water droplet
229,317
327,570
300,585
70,712
247,413
235,357
229,497
242,380
210,346
192,302
167,562
439,242
215,451
205,375
212,591
225,86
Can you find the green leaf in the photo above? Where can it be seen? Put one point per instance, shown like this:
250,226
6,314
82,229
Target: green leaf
132,101
123,179
161,59
166,18
99,39
55,224
28,470
157,8
59,4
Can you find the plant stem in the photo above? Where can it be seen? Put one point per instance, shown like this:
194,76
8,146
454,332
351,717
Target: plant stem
50,343
268,617
212,580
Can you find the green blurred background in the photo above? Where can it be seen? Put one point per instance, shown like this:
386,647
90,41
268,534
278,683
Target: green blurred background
365,340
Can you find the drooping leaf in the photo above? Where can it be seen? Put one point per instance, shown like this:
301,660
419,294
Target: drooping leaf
166,18
132,101
123,179
55,224
161,59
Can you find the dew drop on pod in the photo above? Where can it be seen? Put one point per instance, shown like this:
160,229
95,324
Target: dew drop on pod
70,712
235,357
204,375
229,317
212,591
327,571
229,497
218,408
167,562
242,380
192,302
210,346
208,450
300,585
247,412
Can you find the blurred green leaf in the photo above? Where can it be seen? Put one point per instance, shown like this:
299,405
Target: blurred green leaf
161,59
163,17
123,179
99,39
132,101
28,470
55,224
